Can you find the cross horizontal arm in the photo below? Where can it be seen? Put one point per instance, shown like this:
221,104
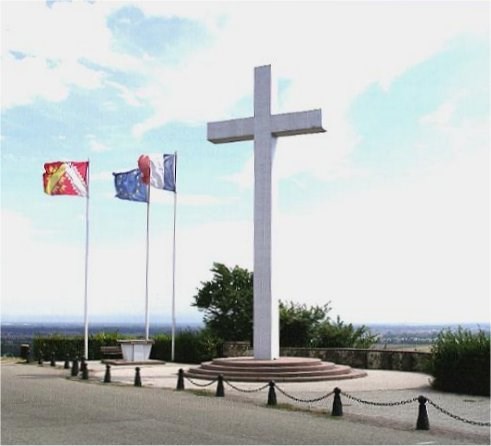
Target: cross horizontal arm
297,123
231,131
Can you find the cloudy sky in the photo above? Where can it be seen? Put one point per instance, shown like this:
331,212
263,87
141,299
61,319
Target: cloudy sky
386,215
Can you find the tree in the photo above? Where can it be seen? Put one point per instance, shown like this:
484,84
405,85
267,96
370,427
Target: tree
299,324
339,334
226,301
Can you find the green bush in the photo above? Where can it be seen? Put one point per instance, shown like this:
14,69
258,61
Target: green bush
461,362
59,344
72,346
340,334
161,350
190,346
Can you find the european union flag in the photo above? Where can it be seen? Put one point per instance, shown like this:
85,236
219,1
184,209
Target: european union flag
129,186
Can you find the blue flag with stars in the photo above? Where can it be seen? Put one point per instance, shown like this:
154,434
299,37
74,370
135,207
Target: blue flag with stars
129,186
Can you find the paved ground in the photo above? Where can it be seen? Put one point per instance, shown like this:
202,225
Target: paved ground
39,406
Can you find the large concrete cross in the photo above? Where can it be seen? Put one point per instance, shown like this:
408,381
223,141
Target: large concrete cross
264,128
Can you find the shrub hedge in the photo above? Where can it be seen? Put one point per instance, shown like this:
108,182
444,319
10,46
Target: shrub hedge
461,362
72,346
190,346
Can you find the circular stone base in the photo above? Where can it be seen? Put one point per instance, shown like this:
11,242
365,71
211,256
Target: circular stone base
283,369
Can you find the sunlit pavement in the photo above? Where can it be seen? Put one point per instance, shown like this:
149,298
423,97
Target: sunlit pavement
379,386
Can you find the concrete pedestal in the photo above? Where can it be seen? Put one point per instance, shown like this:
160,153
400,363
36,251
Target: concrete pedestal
136,350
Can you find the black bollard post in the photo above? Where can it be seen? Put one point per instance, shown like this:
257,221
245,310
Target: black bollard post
422,423
25,352
85,372
40,357
138,380
220,389
180,380
74,371
52,363
107,375
271,394
337,405
67,363
83,364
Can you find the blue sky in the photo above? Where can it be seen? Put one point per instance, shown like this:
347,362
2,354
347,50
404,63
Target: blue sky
386,215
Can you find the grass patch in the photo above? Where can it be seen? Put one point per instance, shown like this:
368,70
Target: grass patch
201,392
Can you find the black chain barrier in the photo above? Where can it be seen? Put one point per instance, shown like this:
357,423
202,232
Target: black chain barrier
301,400
422,422
412,400
201,385
245,390
376,403
456,417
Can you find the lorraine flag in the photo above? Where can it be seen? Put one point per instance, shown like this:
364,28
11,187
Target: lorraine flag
66,178
129,186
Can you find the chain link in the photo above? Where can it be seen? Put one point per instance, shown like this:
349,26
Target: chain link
347,395
456,417
375,403
300,400
200,385
246,390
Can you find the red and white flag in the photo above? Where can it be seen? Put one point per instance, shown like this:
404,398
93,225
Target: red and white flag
66,178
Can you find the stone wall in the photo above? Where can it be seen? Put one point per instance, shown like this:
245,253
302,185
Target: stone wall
233,349
358,358
367,358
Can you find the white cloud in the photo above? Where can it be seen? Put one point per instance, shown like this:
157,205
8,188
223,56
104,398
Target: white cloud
166,197
441,116
38,275
336,51
97,146
106,176
51,45
403,254
116,270
415,251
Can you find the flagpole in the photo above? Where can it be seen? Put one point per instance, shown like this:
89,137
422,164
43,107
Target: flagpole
146,272
86,319
173,337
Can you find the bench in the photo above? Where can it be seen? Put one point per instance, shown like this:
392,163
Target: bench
111,351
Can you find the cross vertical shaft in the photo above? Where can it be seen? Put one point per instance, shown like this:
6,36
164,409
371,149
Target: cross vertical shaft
266,318
264,128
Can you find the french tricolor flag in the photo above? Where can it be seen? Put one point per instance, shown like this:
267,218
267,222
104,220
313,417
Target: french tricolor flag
159,171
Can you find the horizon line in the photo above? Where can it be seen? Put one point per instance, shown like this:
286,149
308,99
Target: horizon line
194,322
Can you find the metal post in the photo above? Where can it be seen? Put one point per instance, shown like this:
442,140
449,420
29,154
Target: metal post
138,380
180,380
271,394
220,389
422,422
337,406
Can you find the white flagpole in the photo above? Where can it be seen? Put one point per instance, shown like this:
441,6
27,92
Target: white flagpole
86,319
146,272
173,342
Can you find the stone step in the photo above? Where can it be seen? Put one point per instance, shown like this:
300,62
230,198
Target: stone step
314,368
211,369
277,378
249,361
285,369
215,372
